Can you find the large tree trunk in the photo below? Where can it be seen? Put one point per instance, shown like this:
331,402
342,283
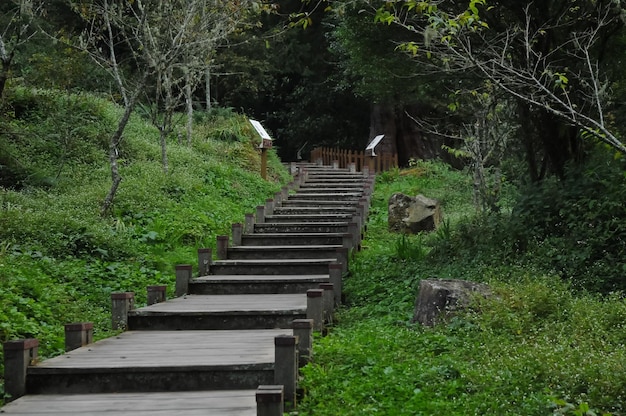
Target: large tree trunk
403,136
114,142
207,88
383,121
189,102
4,72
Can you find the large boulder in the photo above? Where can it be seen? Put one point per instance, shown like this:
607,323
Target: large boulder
438,298
412,215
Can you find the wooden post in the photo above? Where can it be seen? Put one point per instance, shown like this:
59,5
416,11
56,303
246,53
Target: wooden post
260,214
343,259
346,241
285,192
205,256
303,329
183,276
237,229
269,400
18,355
371,163
315,308
353,228
334,270
352,167
278,199
121,304
156,294
249,227
78,335
263,163
328,300
222,247
269,207
286,366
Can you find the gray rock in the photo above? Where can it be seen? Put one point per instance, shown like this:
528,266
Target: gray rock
438,298
413,215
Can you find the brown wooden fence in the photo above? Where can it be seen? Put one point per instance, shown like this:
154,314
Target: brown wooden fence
379,163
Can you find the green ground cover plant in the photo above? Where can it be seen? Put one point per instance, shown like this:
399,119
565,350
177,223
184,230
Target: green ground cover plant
59,259
541,345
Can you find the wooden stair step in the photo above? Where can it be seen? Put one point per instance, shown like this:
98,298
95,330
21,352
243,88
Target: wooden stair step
316,218
237,311
239,284
142,361
272,266
180,403
276,239
282,252
301,227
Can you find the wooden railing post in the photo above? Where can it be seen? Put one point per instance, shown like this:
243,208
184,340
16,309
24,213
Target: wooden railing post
328,300
18,355
286,366
315,308
78,335
121,304
205,257
269,400
303,329
222,247
156,294
237,231
183,276
260,214
249,227
336,274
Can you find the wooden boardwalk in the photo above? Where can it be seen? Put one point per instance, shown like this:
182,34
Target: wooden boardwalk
233,334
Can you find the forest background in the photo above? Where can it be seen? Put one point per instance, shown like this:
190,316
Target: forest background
113,113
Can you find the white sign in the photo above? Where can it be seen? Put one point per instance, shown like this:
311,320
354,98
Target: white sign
374,143
266,140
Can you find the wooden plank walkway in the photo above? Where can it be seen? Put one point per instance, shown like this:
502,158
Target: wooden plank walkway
206,351
195,403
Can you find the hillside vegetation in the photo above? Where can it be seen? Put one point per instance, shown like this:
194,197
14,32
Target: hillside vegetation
59,259
544,344
550,342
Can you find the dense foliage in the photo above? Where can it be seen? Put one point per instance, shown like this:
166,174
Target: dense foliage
538,346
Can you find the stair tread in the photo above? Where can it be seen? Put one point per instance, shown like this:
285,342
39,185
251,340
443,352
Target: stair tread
259,278
286,247
223,402
271,261
168,349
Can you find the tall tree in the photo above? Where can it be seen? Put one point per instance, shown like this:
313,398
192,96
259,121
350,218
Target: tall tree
547,55
17,27
152,39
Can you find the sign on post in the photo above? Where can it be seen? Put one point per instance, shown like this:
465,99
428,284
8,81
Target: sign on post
374,143
266,140
266,143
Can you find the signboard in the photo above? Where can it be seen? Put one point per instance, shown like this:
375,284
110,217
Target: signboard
374,143
266,140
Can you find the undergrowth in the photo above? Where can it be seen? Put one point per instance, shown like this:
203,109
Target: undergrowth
540,345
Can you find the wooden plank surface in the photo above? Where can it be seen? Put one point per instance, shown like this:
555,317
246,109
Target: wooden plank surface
171,349
252,303
262,278
223,403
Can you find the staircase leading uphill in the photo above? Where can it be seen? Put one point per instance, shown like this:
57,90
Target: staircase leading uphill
231,342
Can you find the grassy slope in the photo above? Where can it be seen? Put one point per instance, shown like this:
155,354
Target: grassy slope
59,261
534,349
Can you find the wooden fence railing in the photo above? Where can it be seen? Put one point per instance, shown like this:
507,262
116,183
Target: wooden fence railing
379,163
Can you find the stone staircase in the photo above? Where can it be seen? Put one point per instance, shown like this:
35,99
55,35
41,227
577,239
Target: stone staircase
244,323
